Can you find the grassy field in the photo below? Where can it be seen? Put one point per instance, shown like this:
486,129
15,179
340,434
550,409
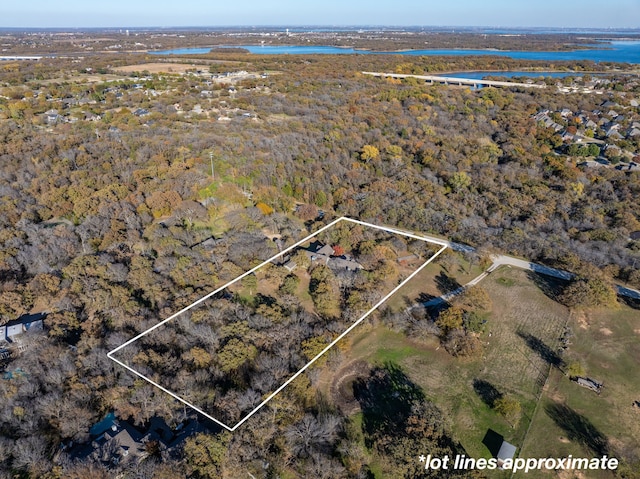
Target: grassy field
449,271
161,67
607,343
523,326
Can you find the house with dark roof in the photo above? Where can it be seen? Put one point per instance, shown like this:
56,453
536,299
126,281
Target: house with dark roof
632,166
633,133
115,442
609,104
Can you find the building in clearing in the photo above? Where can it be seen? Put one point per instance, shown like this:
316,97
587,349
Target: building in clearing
507,451
25,323
290,266
589,383
325,253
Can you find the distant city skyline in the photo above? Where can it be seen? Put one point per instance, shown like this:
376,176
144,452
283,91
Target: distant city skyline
169,13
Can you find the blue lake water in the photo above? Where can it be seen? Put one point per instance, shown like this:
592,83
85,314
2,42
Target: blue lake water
615,51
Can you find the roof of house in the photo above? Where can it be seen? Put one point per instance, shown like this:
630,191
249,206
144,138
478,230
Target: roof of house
128,445
320,252
409,257
209,242
344,263
591,164
14,330
609,104
25,323
318,248
127,438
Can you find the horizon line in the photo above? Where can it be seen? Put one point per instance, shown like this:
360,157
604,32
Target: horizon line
309,25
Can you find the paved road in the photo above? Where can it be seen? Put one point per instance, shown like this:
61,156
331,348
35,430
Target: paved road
501,260
556,273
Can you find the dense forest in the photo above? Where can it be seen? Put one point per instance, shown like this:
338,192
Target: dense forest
167,186
228,353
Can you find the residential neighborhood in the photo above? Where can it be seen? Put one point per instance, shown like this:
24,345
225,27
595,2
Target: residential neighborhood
608,136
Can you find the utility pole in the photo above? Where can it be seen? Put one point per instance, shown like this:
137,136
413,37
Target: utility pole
211,158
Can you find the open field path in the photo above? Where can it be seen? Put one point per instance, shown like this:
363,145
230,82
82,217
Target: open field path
502,260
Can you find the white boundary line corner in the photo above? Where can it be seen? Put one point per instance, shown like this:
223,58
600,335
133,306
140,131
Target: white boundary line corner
305,367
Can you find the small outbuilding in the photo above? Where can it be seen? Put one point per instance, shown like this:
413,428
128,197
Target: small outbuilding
589,383
507,451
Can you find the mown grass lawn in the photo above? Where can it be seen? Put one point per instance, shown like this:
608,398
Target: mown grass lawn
508,363
607,344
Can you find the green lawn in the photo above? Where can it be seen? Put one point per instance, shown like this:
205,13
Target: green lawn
607,343
520,309
437,278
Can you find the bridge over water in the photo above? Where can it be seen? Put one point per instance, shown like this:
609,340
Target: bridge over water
454,81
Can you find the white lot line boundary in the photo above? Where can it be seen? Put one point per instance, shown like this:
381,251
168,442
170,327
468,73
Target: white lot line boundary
292,378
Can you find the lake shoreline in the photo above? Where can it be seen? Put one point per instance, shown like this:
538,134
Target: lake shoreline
619,52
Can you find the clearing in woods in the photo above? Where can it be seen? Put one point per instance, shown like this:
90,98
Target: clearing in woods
523,329
574,420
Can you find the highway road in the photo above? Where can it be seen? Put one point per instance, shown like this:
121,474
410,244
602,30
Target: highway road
455,81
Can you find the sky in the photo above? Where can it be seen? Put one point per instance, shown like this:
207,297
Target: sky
166,13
